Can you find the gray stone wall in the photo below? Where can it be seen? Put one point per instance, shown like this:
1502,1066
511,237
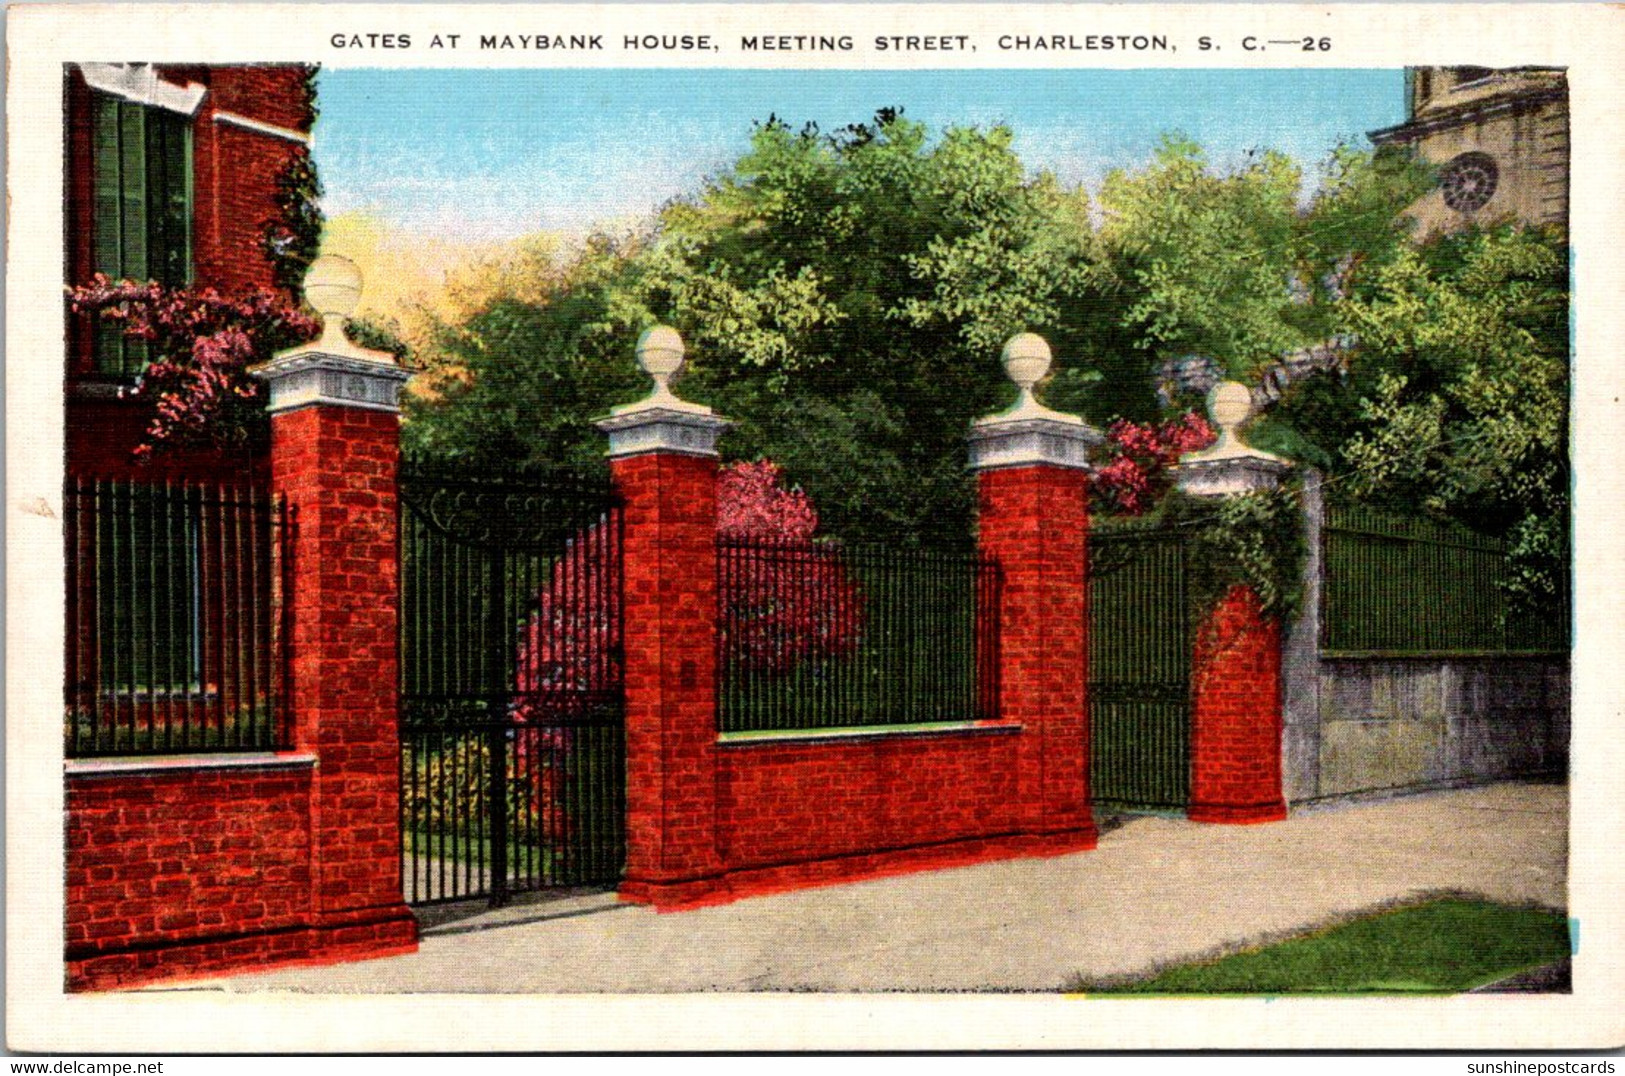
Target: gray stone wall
1418,722
1366,725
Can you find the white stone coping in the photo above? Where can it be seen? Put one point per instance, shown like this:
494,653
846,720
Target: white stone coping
662,429
303,377
120,765
1229,474
140,83
865,732
248,123
1022,441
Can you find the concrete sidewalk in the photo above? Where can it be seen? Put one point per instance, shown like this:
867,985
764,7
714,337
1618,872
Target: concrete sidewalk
1157,890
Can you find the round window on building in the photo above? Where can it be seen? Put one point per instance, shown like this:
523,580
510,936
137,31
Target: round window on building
1468,181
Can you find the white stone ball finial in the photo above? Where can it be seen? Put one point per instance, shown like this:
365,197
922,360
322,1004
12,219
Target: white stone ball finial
1027,359
1229,404
660,355
1229,465
333,289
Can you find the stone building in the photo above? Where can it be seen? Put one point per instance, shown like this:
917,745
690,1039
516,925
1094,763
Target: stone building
1499,137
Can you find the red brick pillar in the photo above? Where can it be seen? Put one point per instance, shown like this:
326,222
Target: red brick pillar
1236,664
1033,501
1236,714
663,457
334,454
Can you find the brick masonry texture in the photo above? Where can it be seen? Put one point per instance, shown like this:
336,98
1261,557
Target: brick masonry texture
1034,521
337,468
786,802
197,872
1236,714
186,856
710,821
669,551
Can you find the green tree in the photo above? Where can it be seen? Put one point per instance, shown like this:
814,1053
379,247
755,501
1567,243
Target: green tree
1456,400
519,380
845,297
1236,267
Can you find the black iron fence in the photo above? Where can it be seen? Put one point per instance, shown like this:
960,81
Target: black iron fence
816,636
1397,586
176,618
512,728
1139,668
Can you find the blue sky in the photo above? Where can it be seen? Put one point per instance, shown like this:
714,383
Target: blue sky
470,155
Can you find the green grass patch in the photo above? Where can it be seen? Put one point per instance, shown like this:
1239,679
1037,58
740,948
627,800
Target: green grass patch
1442,947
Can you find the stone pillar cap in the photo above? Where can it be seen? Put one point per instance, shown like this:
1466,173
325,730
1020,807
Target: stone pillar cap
661,355
330,369
1028,432
333,288
660,422
1229,465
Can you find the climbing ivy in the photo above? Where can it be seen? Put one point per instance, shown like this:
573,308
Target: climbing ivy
1253,539
291,238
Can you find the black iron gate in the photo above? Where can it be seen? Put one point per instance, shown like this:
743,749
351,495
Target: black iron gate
1139,670
512,730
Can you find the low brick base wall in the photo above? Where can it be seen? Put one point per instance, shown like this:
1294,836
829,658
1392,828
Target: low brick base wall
185,867
809,811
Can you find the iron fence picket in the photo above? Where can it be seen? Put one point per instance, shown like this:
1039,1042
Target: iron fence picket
1139,669
1398,586
168,648
510,663
816,636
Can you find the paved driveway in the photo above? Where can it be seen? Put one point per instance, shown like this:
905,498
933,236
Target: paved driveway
1157,890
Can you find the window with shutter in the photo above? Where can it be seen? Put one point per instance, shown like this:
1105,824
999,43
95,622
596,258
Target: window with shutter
142,209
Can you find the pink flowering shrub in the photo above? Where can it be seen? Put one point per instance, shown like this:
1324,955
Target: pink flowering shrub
202,344
1136,474
754,506
783,600
567,654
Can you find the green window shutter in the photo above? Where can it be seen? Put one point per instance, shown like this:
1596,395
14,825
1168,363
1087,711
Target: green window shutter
142,209
107,222
107,204
133,189
169,186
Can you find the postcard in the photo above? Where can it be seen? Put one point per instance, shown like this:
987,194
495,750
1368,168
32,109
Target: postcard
813,526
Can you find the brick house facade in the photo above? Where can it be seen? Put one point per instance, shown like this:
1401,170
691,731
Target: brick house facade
231,785
171,175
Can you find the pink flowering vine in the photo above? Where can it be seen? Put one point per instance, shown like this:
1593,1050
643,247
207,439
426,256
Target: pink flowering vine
202,344
1136,472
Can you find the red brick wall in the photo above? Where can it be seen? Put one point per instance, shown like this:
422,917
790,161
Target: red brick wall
187,861
270,93
1236,714
710,821
337,468
669,551
785,802
187,871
